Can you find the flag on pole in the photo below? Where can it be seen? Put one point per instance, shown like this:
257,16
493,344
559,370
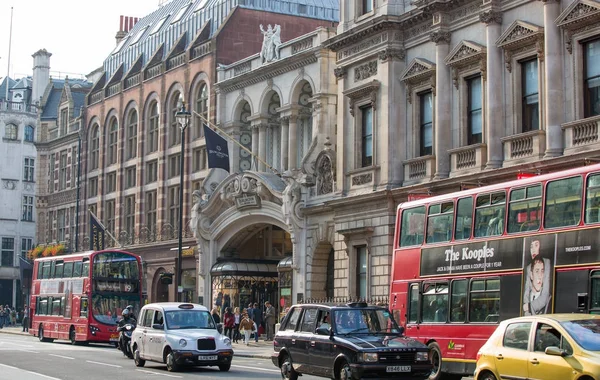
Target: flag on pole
96,233
216,149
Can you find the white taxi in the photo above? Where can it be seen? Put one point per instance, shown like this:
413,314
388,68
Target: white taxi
179,334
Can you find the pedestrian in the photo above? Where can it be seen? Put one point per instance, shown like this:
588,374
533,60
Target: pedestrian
270,317
236,324
257,317
26,319
215,315
246,327
228,322
1,316
13,317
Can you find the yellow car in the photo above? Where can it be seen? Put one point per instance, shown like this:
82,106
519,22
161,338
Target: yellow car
549,347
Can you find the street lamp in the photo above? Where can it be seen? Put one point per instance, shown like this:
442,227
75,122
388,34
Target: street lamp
183,118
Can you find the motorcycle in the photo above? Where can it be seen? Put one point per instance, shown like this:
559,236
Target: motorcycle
125,333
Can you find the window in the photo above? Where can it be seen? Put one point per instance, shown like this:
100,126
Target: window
591,70
68,270
199,159
153,128
439,222
151,171
413,226
174,165
458,301
361,271
62,173
58,269
29,133
113,136
530,97
174,206
28,208
464,219
547,336
12,132
592,200
93,187
474,111
484,305
525,209
308,320
426,124
28,169
132,125
64,121
95,148
138,36
202,109
366,136
293,319
150,203
8,252
563,203
159,24
174,131
111,182
489,214
77,268
517,335
110,216
366,6
83,309
435,302
413,304
26,245
180,14
61,221
130,174
130,215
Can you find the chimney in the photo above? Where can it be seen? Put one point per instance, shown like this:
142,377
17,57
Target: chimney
41,74
126,23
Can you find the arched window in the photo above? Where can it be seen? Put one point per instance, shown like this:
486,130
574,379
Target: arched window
29,133
202,109
113,135
12,132
94,147
153,128
132,126
174,131
304,122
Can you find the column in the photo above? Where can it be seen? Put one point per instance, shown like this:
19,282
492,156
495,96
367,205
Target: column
254,147
553,80
494,121
285,125
262,147
293,144
442,118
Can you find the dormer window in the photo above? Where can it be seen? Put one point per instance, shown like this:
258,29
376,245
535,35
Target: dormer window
138,36
180,14
159,25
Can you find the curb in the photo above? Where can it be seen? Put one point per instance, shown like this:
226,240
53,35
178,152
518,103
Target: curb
4,331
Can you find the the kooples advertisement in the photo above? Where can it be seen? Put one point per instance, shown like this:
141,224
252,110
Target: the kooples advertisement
578,247
473,257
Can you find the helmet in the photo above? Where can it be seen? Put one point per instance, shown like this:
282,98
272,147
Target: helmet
130,308
125,313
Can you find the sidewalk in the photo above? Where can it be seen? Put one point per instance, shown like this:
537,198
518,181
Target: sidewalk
261,350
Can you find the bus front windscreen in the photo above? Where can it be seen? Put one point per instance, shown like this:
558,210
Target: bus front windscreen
115,265
107,309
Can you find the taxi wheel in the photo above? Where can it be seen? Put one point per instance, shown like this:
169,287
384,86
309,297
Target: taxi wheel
139,362
72,336
287,370
172,365
486,376
344,372
224,367
436,360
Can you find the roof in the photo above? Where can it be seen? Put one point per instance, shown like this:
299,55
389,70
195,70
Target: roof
24,82
559,317
175,305
11,83
52,103
168,23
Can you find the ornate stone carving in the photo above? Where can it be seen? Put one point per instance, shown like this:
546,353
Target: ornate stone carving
365,71
271,43
339,72
305,44
362,179
521,37
466,56
470,10
366,90
439,37
9,184
580,16
365,45
325,173
386,54
491,17
418,30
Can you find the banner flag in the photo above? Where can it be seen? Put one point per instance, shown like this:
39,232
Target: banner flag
96,233
216,149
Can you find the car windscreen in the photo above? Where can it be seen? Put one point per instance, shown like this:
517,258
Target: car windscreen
189,319
586,333
364,321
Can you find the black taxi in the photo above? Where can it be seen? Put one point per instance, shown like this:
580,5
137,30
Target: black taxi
350,341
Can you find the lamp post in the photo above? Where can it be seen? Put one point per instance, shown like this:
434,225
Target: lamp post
183,117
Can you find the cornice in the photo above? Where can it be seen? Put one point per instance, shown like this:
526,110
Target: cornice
360,32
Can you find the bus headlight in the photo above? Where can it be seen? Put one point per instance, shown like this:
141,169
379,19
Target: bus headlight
422,356
182,342
369,357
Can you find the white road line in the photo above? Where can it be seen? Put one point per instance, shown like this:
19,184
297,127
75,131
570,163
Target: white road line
158,373
60,356
106,364
33,373
33,352
17,344
260,369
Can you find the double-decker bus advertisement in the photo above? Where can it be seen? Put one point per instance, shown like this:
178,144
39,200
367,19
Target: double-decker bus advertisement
465,261
80,297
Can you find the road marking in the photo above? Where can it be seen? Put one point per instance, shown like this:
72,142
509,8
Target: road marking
106,364
33,373
158,373
260,369
60,356
33,352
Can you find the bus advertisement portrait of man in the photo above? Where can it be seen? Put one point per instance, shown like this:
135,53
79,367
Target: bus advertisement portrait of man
537,274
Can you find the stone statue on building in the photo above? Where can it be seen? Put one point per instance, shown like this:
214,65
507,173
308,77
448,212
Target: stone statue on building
271,43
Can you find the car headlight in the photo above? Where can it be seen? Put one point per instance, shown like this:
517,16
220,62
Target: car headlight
227,341
182,342
422,356
369,357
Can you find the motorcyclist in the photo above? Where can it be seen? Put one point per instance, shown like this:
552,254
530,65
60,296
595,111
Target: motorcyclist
123,322
131,314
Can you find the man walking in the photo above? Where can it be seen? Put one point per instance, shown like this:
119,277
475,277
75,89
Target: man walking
25,322
270,320
257,319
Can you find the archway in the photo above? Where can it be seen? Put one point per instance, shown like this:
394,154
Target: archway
161,291
320,272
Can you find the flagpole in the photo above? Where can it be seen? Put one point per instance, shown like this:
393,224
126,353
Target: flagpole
213,126
9,48
105,230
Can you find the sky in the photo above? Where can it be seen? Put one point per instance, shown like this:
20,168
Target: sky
80,34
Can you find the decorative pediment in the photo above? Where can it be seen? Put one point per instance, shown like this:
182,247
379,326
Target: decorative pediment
464,53
520,37
579,14
418,73
367,90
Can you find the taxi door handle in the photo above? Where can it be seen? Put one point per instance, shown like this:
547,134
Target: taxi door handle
499,356
534,361
293,341
312,343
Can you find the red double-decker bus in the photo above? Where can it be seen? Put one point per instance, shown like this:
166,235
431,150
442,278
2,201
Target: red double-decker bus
467,260
80,297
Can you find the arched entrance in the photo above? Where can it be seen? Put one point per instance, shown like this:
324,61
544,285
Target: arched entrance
320,272
161,291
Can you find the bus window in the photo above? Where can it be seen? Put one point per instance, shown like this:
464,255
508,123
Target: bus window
42,306
83,307
435,302
413,304
524,209
592,200
58,269
77,269
68,271
464,218
439,222
489,214
458,301
485,300
56,306
595,299
563,203
40,273
46,269
413,226
85,270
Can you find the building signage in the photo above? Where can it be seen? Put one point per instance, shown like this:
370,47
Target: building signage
188,252
247,201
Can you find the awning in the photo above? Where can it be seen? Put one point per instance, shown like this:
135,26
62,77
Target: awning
285,263
266,269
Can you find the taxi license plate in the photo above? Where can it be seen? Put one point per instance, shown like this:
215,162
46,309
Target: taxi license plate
398,368
212,357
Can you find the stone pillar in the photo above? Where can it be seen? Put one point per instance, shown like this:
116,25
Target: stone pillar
293,144
442,140
553,80
494,120
285,125
262,147
255,139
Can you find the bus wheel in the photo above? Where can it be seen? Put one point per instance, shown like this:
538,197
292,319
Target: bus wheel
72,335
436,360
41,334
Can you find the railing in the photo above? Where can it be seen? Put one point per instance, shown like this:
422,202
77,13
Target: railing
525,146
96,97
302,45
178,60
581,132
113,89
153,71
200,50
133,80
466,159
17,107
378,301
521,147
417,169
242,68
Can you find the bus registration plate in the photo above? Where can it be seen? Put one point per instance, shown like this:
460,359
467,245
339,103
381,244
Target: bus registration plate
211,357
114,337
398,368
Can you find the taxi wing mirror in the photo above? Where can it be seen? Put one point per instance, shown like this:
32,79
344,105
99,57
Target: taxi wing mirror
555,351
220,328
157,326
324,331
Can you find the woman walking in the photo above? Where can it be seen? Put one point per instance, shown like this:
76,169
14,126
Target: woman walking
236,324
228,322
246,326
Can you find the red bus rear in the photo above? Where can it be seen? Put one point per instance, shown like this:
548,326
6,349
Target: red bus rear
80,297
467,260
